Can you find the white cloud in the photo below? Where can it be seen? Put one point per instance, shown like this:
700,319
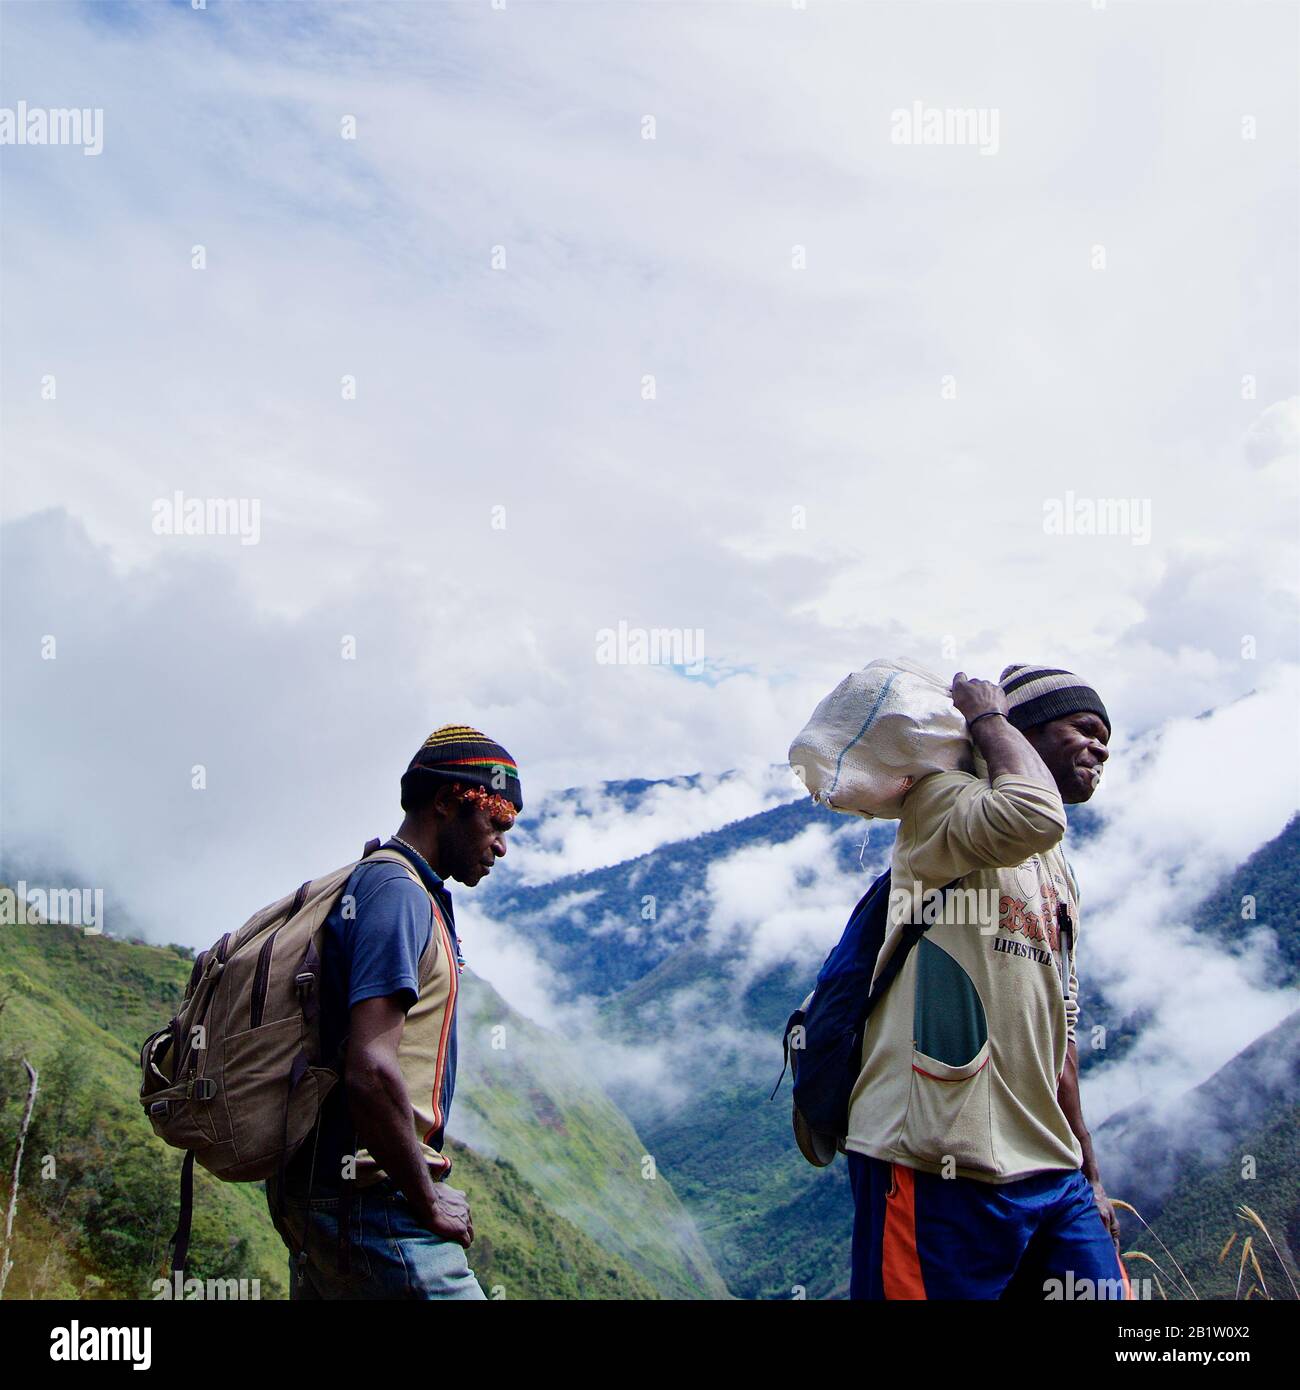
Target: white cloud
591,827
1206,795
782,902
503,957
777,388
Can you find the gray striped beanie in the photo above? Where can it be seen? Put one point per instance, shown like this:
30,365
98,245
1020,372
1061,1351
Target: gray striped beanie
1036,694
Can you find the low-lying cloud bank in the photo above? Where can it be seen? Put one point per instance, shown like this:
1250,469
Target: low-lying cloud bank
1204,794
159,675
1178,810
587,828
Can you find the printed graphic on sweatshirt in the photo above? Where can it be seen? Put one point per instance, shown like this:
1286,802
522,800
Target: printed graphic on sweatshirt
1018,948
1038,925
1015,915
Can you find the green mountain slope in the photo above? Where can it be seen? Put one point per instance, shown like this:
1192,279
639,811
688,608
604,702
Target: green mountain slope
78,1007
774,1223
1202,1212
1265,887
528,1096
771,1222
1232,1141
98,1197
524,1250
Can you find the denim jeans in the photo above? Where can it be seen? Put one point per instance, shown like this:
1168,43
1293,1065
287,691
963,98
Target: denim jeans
387,1253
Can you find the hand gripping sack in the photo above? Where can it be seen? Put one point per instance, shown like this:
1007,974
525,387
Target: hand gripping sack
878,733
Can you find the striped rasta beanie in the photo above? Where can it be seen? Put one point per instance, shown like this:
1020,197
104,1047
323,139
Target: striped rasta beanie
457,753
1036,694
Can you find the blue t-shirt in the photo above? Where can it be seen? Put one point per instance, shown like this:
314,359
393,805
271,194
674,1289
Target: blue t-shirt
373,940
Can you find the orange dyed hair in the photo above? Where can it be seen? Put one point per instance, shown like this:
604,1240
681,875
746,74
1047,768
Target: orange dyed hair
497,806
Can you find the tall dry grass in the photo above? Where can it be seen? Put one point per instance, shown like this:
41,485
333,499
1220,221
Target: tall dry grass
1255,1286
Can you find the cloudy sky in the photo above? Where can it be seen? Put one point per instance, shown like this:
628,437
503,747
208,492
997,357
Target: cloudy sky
501,372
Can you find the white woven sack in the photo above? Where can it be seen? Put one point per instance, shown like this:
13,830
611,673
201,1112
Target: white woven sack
876,734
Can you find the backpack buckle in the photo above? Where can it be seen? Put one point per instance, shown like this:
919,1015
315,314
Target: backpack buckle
305,982
202,1088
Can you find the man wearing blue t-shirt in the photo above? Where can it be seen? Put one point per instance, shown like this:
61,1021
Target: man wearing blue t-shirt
364,1207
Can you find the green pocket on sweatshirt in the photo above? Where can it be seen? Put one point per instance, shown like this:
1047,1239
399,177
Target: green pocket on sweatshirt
948,1022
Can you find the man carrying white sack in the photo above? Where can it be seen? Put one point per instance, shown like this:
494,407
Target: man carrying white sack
972,1170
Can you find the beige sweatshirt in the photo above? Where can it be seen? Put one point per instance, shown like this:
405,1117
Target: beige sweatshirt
961,1059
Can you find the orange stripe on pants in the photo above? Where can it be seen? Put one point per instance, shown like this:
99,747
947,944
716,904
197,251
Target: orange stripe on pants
900,1264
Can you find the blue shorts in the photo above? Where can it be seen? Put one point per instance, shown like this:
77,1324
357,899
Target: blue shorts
387,1253
918,1235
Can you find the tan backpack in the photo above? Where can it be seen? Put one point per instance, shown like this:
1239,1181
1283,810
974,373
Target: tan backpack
237,1079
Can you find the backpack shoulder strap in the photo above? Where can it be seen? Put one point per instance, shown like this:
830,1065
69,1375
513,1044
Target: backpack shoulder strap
392,856
912,933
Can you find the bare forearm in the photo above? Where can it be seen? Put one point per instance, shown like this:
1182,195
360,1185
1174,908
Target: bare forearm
381,1110
1068,1098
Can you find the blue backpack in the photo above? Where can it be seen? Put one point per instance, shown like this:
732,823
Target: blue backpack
824,1036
